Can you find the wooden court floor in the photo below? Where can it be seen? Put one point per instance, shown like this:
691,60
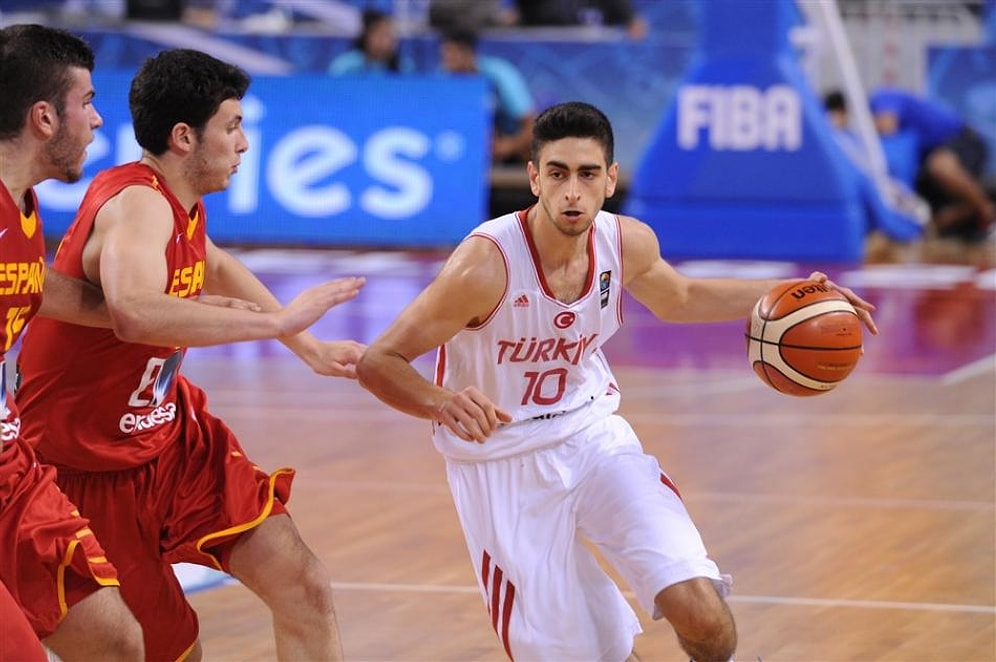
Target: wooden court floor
858,525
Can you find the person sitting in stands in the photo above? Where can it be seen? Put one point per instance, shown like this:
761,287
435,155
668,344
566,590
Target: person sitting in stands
375,50
514,108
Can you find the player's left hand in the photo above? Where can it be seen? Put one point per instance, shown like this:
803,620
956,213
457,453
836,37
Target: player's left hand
861,307
335,358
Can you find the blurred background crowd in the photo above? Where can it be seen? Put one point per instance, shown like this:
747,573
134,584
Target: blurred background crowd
930,64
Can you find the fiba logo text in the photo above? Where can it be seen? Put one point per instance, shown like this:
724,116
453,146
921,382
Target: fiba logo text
739,118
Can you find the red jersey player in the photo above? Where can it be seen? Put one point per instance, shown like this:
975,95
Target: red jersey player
162,479
54,567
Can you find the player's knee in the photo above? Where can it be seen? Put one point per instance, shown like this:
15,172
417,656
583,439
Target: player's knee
127,645
123,634
311,592
700,618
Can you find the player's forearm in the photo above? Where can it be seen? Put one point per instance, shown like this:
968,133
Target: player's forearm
396,383
73,300
167,321
718,300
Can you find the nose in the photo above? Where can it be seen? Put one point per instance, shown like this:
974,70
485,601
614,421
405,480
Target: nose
243,145
96,121
573,190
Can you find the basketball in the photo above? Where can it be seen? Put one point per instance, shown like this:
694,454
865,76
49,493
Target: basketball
803,338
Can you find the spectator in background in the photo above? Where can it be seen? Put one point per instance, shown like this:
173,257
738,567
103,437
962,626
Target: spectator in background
951,159
476,14
375,50
583,12
514,108
893,194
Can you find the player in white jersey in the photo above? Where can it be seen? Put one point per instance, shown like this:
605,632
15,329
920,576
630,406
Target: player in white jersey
524,410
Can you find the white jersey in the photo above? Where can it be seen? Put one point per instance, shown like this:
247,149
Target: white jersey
536,357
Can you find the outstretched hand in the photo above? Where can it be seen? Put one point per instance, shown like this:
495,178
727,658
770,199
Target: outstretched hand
470,415
861,307
309,306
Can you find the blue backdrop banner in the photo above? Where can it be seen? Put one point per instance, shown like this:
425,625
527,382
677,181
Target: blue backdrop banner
335,162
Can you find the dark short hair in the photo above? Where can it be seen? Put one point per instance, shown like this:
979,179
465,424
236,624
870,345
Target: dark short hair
35,64
460,35
180,85
835,100
573,119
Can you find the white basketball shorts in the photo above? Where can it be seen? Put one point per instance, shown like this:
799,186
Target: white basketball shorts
525,519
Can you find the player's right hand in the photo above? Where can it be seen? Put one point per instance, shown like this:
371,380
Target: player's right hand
309,306
470,415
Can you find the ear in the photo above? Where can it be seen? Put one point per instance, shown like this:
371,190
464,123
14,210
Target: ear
533,173
43,119
182,137
612,180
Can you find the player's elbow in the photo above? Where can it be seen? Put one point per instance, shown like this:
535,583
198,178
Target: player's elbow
128,325
372,368
366,370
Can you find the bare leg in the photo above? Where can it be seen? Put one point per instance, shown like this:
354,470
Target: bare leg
946,170
700,618
98,627
274,563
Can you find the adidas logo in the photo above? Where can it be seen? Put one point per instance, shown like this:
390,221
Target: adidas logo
521,301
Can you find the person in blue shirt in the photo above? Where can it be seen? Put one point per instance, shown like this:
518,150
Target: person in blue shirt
952,157
514,108
375,50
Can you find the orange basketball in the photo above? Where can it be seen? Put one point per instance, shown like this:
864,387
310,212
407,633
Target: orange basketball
803,338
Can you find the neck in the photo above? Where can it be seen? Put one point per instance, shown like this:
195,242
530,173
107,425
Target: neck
19,170
172,176
555,247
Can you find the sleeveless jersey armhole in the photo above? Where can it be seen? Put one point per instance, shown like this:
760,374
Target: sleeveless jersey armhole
504,294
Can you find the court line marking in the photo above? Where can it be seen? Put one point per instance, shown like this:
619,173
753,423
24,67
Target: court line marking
977,368
268,410
735,497
373,587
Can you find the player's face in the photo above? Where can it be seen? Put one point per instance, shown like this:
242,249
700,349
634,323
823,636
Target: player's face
66,150
572,182
219,149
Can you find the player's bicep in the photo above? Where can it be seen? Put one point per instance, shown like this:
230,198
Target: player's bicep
465,292
650,279
134,228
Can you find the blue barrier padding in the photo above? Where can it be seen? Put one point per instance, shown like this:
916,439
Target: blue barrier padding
744,163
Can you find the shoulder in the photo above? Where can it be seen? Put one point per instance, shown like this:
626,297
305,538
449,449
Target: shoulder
347,62
640,246
496,67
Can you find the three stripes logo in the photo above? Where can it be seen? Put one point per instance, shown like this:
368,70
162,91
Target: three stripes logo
499,595
521,301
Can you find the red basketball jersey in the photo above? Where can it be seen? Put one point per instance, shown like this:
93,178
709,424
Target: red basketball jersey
22,276
116,401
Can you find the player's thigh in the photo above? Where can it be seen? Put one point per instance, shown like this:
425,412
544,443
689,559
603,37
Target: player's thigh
546,595
102,616
630,509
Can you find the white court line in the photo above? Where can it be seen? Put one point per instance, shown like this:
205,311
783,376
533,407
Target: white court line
986,364
330,410
740,599
735,497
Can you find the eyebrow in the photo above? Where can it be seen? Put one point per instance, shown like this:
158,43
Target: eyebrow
564,166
